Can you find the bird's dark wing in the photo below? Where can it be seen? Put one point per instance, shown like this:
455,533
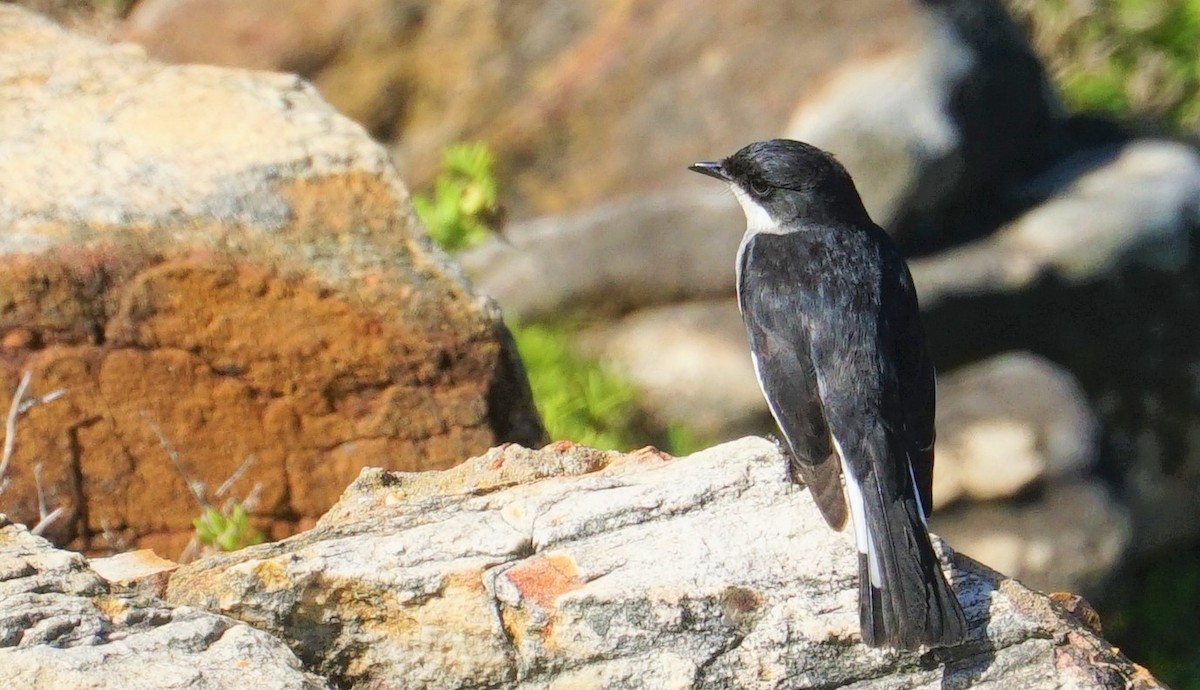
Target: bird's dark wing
779,344
916,380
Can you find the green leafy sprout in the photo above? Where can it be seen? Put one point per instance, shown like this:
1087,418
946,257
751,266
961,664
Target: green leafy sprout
227,528
465,204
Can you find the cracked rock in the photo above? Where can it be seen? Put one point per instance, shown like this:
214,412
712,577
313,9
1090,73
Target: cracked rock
572,568
216,269
62,627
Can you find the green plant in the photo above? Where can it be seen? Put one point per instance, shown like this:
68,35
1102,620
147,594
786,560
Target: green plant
227,528
465,204
579,399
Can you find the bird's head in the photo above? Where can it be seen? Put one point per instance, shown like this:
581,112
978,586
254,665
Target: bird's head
782,183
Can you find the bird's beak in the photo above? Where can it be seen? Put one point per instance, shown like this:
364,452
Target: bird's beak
712,169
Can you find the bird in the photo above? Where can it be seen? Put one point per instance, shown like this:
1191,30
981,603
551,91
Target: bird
839,351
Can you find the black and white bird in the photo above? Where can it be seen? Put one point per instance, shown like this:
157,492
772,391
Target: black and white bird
840,354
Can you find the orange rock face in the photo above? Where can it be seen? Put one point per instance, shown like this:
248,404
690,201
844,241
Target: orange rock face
256,304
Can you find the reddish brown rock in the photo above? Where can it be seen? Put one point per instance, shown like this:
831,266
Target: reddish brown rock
218,271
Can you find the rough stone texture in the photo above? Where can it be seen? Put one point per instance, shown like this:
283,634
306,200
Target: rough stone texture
1008,423
567,567
62,627
142,570
214,264
1073,537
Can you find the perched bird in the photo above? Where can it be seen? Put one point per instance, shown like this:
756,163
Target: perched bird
840,354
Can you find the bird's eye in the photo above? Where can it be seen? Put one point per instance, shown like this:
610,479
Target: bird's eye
759,188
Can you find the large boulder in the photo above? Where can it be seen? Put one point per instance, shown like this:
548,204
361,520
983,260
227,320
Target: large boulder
224,279
568,567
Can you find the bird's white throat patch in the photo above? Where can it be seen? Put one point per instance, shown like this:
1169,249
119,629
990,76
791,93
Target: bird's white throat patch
757,218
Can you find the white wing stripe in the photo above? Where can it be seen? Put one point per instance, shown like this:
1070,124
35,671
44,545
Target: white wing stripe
858,514
917,493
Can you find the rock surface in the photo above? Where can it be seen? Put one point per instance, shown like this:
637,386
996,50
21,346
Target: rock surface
61,626
568,567
1009,423
217,270
627,253
1101,212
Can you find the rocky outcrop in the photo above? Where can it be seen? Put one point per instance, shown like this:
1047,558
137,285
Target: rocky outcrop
602,99
63,626
1065,237
224,280
568,567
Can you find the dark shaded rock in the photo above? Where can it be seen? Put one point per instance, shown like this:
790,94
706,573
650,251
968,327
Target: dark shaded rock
1102,278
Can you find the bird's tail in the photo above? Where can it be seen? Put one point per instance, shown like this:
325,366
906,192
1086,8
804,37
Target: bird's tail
904,601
